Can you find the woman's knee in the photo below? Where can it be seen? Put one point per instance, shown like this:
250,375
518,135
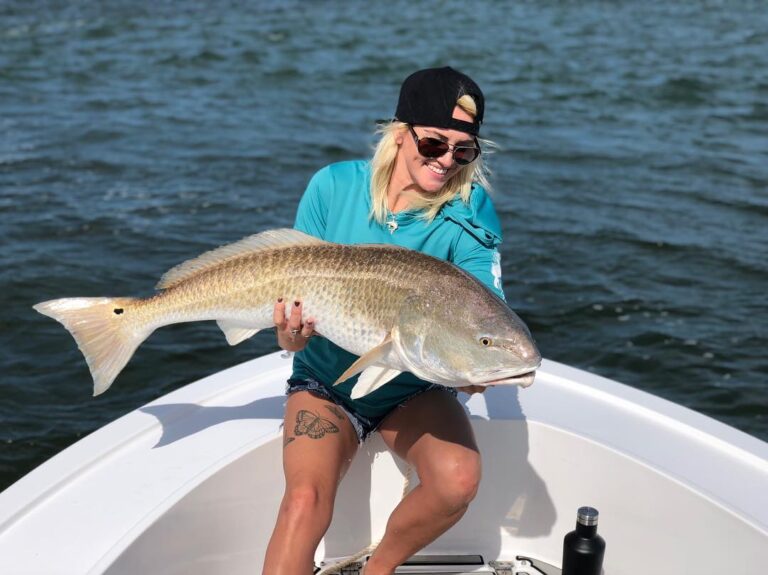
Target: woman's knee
307,502
456,480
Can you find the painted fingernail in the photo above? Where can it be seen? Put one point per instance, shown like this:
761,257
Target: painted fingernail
279,300
297,303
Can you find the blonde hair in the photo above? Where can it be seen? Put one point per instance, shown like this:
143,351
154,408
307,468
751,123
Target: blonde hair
383,164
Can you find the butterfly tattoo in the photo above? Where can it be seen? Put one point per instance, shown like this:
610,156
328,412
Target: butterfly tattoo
311,424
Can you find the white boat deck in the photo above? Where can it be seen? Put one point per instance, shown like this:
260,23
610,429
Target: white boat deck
191,483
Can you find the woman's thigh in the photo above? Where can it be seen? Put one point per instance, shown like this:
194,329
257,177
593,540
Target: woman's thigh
319,442
433,433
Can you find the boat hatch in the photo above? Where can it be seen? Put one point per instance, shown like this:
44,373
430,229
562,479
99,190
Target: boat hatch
457,565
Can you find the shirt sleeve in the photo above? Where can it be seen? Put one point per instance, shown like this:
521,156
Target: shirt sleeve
311,216
481,261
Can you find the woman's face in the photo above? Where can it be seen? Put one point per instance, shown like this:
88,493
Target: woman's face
429,175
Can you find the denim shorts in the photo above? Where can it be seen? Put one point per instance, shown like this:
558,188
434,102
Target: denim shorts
363,425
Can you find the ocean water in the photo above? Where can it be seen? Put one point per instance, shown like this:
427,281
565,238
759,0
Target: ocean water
631,177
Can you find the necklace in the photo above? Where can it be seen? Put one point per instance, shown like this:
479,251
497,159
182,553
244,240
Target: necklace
391,223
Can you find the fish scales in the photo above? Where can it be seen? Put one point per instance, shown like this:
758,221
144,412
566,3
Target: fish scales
367,299
361,286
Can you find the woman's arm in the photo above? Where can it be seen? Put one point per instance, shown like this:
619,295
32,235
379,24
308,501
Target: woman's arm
481,261
292,334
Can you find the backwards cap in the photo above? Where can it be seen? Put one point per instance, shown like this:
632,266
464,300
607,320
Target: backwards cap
428,98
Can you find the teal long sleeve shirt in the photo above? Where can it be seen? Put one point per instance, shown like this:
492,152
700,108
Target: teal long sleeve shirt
336,207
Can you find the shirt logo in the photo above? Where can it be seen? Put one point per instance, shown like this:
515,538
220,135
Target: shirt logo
496,269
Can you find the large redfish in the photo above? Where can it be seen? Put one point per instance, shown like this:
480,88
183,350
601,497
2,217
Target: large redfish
398,309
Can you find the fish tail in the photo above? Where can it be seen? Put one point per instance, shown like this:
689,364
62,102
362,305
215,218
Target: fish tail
104,330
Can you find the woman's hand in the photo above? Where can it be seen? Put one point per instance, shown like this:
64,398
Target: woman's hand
470,389
292,335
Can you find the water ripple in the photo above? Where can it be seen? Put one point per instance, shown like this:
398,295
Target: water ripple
630,179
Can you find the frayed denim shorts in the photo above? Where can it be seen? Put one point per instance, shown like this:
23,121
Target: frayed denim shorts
362,424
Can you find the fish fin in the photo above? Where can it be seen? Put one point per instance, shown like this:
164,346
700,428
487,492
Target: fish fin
270,239
373,378
103,330
236,332
367,359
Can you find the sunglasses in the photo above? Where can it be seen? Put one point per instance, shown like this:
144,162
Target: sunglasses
434,148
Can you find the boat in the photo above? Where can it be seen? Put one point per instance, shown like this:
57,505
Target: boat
191,483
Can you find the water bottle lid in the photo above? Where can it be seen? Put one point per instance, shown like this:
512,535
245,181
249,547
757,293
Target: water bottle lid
587,516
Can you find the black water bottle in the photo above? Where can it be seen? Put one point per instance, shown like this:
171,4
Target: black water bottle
583,548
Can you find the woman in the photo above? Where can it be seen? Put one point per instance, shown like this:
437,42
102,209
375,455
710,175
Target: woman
424,189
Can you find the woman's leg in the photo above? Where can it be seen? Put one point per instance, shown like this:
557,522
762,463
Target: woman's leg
318,445
432,433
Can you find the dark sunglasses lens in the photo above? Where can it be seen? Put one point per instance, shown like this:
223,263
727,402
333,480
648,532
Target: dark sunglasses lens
432,147
465,155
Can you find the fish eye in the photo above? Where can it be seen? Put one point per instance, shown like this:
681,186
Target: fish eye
486,341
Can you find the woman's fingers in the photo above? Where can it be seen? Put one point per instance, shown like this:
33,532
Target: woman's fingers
294,320
292,334
278,314
308,329
470,389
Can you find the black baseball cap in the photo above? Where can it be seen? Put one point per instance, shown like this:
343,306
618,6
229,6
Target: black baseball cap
428,98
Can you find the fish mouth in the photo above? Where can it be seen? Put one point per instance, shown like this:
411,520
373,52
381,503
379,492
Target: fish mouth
506,377
523,380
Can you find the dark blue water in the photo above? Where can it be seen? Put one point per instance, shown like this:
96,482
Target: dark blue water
631,179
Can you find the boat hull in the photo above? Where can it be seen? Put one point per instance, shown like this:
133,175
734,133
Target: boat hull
191,483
